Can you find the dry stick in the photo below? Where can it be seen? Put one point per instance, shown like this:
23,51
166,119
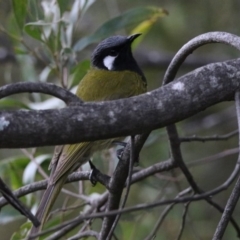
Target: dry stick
32,159
215,157
183,220
188,48
89,233
152,235
132,160
209,138
233,199
87,224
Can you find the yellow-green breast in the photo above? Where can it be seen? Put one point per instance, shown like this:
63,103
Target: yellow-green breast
102,85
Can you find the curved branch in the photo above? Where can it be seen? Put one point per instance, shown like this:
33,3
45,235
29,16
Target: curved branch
234,197
47,88
166,105
189,47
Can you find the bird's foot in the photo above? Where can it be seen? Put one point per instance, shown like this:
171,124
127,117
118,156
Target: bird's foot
97,176
93,174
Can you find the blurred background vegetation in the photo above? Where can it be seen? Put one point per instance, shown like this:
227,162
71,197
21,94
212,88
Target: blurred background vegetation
63,59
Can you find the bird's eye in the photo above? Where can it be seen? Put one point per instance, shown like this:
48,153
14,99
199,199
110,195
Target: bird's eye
113,53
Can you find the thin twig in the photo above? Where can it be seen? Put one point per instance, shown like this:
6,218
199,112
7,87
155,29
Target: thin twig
214,157
164,214
31,157
183,220
89,233
132,160
233,199
64,209
209,138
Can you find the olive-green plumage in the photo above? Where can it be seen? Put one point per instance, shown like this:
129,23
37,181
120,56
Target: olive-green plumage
102,82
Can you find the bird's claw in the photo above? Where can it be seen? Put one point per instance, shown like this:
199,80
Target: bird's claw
92,176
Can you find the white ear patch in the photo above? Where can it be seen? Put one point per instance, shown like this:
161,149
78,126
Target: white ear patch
108,62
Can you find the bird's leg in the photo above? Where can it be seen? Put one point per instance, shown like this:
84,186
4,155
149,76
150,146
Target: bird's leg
97,176
93,173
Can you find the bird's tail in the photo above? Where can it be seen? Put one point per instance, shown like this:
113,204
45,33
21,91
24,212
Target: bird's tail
46,204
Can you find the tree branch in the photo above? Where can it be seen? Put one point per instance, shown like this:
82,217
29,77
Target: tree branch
171,103
47,88
233,199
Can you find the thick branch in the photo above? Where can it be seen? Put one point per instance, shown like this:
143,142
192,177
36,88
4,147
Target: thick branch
171,103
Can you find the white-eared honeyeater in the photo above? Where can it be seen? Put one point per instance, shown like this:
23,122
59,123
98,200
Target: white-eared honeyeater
114,74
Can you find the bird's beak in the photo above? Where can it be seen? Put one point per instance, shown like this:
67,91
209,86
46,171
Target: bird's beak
131,38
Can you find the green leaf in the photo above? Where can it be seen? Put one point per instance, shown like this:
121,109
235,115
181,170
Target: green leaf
145,26
22,232
12,103
79,71
34,29
129,19
20,11
15,177
62,5
5,164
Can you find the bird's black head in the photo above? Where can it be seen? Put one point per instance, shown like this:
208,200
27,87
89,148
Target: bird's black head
114,54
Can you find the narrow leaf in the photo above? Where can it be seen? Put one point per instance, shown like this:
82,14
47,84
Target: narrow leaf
126,20
20,11
79,71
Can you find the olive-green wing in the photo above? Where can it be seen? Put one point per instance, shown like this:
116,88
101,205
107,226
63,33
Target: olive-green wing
97,85
102,85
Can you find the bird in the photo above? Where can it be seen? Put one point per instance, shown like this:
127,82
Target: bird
114,74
